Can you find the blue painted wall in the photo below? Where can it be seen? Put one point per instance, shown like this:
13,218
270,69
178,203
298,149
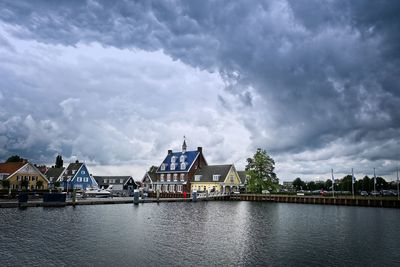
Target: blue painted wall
82,179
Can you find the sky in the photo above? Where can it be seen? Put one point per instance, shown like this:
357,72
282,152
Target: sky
115,84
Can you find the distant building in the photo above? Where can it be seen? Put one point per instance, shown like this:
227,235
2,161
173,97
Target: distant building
23,175
53,174
77,176
177,170
118,183
216,178
244,178
147,182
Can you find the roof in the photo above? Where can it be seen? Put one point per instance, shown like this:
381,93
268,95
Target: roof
11,167
207,172
54,172
190,157
242,176
71,167
100,179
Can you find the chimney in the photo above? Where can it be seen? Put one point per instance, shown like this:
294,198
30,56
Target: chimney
169,151
200,149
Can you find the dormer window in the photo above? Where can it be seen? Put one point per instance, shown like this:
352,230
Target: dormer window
172,166
182,158
163,167
197,178
183,166
216,177
173,159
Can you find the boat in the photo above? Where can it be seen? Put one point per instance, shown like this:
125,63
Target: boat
96,192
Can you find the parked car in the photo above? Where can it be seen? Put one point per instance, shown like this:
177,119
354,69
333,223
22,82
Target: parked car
388,193
375,193
364,193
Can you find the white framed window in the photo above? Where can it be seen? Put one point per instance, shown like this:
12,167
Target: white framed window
216,177
173,159
232,179
197,178
105,181
85,179
183,166
182,177
79,179
121,181
179,188
172,166
73,171
163,167
175,177
162,177
83,172
171,188
182,158
168,177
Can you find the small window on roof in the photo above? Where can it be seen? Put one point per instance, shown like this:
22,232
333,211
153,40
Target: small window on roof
172,167
216,177
163,167
182,158
183,166
173,159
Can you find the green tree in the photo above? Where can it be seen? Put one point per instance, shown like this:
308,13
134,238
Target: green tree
260,168
345,183
5,184
39,184
298,184
15,158
57,184
59,162
328,184
311,186
366,182
24,183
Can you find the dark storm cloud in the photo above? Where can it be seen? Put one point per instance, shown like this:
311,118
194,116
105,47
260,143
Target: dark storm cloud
325,71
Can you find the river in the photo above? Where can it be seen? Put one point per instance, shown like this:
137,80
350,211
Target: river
200,234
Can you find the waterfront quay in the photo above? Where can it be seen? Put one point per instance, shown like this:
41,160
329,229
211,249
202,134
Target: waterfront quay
317,200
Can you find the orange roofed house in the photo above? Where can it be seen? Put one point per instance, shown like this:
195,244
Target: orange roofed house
22,174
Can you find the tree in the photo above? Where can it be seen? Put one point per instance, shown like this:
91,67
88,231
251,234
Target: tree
39,184
15,158
298,184
5,184
24,183
57,184
366,184
59,162
311,186
328,184
260,168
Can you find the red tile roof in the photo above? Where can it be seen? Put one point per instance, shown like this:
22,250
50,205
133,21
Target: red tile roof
11,167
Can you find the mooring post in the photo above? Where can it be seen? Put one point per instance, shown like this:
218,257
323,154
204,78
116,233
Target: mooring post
73,197
158,195
136,196
194,196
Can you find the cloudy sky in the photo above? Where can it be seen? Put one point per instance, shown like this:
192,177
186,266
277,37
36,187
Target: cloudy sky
118,83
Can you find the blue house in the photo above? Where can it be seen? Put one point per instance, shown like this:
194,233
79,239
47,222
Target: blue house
77,176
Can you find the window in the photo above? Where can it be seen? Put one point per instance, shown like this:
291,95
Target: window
182,177
163,167
183,166
85,179
83,172
121,181
165,188
51,179
232,179
79,179
172,166
162,177
179,188
197,178
73,171
216,177
159,187
182,158
105,181
168,177
171,188
175,177
173,159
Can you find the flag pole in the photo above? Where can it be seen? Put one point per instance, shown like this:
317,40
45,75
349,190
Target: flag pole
374,182
398,196
333,185
352,181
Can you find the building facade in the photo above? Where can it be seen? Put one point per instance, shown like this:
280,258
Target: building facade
216,178
77,176
22,175
177,170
